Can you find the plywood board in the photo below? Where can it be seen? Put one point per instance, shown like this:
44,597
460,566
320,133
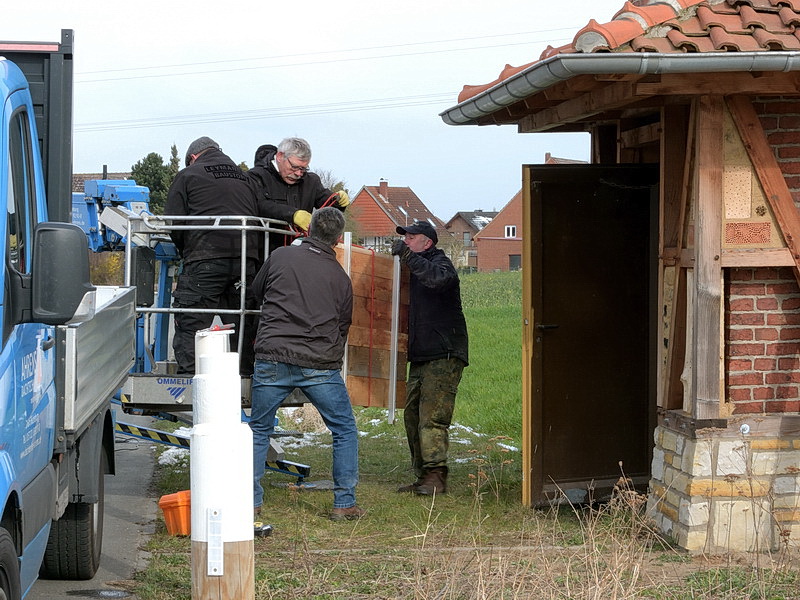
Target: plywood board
370,342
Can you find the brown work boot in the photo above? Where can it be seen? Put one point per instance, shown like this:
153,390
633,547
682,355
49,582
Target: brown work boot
350,514
435,482
411,487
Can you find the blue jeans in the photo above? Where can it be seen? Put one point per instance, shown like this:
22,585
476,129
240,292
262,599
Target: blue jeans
272,382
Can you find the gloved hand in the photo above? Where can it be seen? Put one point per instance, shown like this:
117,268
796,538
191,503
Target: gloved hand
344,199
302,218
400,249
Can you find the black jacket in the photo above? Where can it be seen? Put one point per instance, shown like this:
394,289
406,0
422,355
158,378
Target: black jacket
436,324
212,185
307,306
279,200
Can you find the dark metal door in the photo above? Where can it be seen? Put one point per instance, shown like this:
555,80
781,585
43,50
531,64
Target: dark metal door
592,295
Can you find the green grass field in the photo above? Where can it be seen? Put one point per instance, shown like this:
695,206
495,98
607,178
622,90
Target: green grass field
477,542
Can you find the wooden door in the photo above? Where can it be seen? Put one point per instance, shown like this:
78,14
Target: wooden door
589,308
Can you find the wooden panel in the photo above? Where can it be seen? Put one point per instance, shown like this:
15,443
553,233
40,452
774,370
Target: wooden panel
366,391
369,342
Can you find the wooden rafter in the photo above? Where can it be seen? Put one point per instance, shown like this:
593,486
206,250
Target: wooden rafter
576,109
690,84
769,173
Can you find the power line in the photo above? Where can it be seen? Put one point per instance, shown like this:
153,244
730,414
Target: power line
296,64
346,50
269,113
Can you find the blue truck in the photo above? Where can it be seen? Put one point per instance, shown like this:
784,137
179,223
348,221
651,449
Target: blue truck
66,345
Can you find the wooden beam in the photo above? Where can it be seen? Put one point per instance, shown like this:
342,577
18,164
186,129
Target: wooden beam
706,326
591,103
639,136
769,174
677,151
774,257
695,84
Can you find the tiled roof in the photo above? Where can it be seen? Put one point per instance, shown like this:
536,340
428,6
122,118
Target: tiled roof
478,218
677,27
401,205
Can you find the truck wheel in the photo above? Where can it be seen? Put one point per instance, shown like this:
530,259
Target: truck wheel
76,539
9,568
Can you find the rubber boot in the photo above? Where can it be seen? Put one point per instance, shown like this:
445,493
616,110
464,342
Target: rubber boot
435,482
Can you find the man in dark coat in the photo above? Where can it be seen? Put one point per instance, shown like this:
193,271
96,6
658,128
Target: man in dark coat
210,185
305,317
437,351
287,190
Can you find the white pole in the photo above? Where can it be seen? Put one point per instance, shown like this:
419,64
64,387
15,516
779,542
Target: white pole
221,452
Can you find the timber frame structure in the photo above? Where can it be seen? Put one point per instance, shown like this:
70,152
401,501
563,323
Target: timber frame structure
722,122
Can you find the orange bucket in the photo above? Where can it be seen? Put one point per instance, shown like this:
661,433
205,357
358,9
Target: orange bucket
177,512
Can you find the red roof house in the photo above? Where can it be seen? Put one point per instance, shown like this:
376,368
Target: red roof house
378,210
499,244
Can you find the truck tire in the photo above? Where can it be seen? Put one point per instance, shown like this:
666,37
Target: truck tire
76,539
9,568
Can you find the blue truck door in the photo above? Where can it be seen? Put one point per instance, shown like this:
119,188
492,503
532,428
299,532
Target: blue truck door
27,357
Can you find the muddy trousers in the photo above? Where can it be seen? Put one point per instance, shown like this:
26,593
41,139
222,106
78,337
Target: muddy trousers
430,400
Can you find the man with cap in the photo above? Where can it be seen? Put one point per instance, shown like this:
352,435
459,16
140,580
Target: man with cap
437,353
210,185
287,190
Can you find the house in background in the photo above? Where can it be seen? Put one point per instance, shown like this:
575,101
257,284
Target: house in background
499,244
378,210
463,226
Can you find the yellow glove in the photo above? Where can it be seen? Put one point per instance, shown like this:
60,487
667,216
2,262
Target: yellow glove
344,199
302,218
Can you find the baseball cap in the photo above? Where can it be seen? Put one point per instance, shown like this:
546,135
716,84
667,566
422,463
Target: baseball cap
422,227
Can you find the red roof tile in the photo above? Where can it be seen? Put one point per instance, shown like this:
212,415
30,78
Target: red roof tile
680,26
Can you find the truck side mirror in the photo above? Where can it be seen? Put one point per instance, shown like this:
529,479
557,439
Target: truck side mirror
60,282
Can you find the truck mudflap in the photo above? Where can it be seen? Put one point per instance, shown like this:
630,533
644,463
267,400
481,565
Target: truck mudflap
95,356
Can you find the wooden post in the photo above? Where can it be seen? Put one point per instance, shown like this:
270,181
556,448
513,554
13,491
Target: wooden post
706,329
223,565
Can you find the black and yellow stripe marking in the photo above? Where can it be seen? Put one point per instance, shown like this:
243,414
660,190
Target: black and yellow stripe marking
290,468
162,437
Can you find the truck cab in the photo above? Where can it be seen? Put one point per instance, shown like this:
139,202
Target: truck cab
65,345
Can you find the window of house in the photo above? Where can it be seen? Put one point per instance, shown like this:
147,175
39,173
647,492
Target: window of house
466,238
511,231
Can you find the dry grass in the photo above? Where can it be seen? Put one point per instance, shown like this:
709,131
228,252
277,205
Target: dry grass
475,543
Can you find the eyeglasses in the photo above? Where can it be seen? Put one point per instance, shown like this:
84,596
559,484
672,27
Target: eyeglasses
296,168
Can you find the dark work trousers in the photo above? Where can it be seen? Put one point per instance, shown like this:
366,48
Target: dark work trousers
430,401
213,283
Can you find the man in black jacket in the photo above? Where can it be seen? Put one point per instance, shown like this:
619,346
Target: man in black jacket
210,185
287,190
437,351
305,317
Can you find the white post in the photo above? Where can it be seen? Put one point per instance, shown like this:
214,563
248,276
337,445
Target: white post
221,458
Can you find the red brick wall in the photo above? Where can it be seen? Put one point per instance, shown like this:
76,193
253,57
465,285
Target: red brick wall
780,118
762,340
493,253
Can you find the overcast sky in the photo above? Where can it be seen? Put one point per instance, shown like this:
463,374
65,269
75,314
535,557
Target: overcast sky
363,81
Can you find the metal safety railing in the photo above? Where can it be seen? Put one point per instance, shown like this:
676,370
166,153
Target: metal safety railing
148,230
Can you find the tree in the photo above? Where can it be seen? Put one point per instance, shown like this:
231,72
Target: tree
157,176
334,184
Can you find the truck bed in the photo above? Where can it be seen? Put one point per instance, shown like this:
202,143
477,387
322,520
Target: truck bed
95,356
